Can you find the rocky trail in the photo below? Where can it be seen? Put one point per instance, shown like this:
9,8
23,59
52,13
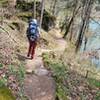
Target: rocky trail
39,85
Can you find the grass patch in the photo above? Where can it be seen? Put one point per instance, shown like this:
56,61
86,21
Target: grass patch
94,83
24,15
1,65
70,84
20,74
5,94
3,3
13,76
97,97
59,72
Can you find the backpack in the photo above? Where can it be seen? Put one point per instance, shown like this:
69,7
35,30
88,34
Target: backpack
32,31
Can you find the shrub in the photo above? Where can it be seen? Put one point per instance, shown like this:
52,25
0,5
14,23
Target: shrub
59,72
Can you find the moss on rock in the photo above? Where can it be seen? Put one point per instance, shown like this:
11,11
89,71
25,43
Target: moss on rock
5,94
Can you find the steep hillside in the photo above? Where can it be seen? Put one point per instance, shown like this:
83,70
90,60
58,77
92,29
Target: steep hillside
12,38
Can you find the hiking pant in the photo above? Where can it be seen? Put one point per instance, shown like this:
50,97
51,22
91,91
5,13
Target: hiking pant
32,46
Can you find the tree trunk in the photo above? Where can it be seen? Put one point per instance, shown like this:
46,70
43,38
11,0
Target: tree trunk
85,20
42,11
54,7
2,16
75,11
34,9
71,33
85,43
68,27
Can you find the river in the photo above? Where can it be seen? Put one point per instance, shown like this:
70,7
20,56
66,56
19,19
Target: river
93,43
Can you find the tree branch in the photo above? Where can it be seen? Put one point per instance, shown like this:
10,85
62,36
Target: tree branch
95,20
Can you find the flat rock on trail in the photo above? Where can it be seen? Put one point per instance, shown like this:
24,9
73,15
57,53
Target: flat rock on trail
38,84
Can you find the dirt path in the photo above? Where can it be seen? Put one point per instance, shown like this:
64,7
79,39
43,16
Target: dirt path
40,85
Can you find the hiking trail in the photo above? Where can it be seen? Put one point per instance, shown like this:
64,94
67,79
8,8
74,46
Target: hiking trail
39,85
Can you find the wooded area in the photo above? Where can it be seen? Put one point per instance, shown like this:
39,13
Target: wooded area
60,61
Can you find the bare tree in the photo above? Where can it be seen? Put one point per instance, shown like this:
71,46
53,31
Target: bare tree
87,6
34,8
54,7
75,11
42,11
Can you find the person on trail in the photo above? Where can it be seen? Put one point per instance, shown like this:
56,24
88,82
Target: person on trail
33,33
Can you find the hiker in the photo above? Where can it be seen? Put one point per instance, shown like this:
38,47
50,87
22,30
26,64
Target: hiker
33,34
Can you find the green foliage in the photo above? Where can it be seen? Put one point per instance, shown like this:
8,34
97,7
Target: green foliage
59,71
25,15
21,73
94,82
1,65
61,92
59,74
4,3
25,6
3,81
97,97
21,76
66,81
12,69
5,94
